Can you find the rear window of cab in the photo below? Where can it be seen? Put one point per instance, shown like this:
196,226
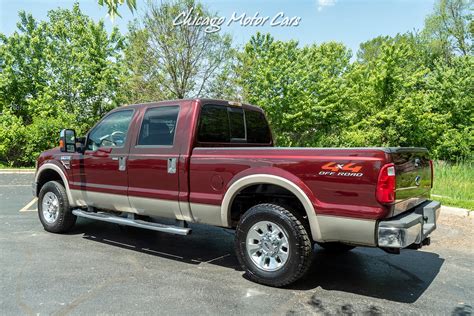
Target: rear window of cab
227,124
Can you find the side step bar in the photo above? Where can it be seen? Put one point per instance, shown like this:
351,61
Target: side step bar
133,222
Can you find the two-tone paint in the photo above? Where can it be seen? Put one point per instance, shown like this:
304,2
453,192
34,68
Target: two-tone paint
335,186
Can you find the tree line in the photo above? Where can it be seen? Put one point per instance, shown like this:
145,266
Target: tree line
412,89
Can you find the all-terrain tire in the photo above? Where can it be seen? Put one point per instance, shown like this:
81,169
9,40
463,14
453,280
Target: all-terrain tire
62,219
288,226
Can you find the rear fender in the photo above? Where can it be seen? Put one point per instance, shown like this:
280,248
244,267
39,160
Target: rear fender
275,176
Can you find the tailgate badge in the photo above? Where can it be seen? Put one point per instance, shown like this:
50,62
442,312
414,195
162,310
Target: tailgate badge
342,170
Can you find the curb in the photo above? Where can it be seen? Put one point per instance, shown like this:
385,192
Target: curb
17,171
455,211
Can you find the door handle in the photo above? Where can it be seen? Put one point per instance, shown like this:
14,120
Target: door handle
122,162
171,165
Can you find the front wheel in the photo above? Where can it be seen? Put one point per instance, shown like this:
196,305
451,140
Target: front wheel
272,245
53,208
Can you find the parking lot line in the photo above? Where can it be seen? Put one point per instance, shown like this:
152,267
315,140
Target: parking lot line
14,185
27,206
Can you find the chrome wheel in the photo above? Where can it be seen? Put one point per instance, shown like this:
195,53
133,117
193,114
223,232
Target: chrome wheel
267,245
50,207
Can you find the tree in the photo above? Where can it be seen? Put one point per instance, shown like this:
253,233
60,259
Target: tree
449,27
301,89
401,98
64,72
181,60
112,6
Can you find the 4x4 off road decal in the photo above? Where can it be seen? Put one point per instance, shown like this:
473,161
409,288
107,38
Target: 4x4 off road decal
342,170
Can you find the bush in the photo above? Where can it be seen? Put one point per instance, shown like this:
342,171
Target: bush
21,145
12,139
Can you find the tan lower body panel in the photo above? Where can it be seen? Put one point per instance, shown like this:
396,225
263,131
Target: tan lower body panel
347,229
113,202
332,228
206,214
155,207
123,203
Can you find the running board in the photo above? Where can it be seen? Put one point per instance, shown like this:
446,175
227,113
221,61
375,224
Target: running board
133,222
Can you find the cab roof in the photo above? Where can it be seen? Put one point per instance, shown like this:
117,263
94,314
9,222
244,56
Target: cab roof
190,102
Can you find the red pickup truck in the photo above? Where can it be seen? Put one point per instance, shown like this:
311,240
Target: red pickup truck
214,162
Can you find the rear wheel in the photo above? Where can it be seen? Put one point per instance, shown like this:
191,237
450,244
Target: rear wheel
272,245
335,247
53,208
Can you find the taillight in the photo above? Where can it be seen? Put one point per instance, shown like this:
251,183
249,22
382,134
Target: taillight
432,172
386,184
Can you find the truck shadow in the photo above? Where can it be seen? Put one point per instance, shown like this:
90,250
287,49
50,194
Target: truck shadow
374,273
363,271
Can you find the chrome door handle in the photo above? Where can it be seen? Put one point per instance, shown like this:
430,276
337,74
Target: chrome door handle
171,165
122,162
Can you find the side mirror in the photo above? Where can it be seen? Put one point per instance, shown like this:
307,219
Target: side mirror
67,141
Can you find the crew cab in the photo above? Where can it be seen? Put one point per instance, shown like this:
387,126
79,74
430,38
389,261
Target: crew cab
214,162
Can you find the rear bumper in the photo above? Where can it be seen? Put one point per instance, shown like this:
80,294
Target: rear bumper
409,228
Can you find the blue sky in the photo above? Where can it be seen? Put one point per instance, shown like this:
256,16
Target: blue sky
348,21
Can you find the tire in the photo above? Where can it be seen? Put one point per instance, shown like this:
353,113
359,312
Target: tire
261,249
53,208
335,247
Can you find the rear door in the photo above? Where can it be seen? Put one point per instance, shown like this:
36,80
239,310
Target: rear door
413,177
153,164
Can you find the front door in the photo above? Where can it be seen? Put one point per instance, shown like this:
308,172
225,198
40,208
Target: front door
100,174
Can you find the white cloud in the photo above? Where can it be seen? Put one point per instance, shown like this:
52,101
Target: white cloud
325,3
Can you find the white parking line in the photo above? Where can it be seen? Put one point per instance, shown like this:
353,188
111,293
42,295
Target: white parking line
14,185
27,206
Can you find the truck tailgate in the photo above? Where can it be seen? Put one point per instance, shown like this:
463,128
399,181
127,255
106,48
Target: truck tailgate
413,177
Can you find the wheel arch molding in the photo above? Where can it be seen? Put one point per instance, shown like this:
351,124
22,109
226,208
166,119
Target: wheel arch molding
272,176
52,167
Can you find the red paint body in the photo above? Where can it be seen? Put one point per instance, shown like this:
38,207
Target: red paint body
204,173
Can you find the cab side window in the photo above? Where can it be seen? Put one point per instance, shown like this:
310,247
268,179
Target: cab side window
225,124
111,132
159,126
214,124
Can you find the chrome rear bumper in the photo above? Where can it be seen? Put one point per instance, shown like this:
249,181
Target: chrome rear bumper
409,228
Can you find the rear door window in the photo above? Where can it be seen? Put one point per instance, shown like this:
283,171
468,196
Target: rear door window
159,126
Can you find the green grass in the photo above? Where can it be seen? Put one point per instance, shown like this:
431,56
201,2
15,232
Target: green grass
454,184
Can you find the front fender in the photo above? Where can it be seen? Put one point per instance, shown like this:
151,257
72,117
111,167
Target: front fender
53,165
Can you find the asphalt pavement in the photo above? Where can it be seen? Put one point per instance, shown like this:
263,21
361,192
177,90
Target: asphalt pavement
105,269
